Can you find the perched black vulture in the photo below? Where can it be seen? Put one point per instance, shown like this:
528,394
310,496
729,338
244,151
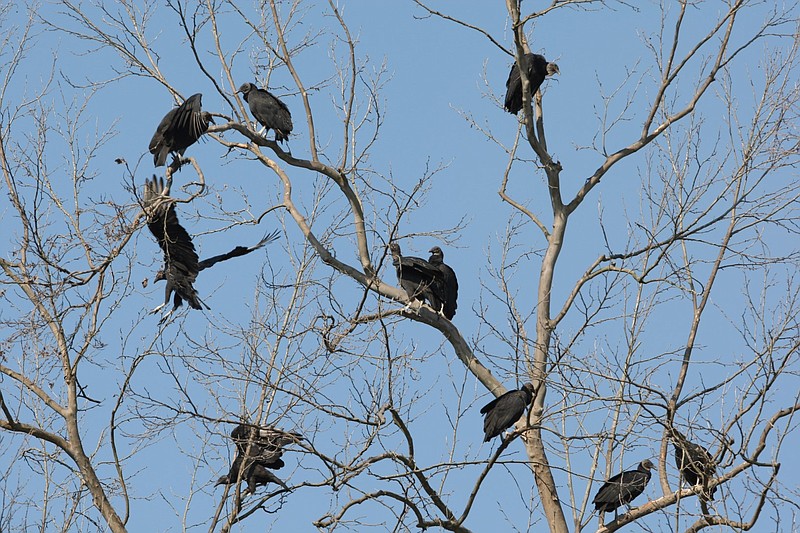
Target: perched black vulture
264,444
251,471
622,488
449,283
694,462
420,279
537,68
501,413
268,111
211,261
257,450
180,258
179,129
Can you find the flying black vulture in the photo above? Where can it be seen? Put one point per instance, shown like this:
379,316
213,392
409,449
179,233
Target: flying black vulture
449,283
179,129
501,413
211,261
419,278
694,462
537,68
268,111
180,258
622,488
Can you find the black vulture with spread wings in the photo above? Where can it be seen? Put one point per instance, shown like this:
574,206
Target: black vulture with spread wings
537,69
180,258
622,488
180,128
268,111
448,283
181,263
501,413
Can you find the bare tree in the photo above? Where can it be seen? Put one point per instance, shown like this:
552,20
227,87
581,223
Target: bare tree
672,308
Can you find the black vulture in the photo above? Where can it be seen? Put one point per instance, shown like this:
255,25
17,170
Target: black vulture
694,462
251,471
268,111
211,261
501,413
180,258
257,450
622,488
179,129
419,278
537,68
449,283
264,444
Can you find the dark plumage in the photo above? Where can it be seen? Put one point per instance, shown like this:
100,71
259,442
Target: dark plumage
449,283
419,278
622,488
501,413
236,252
179,129
694,462
537,68
180,258
211,261
264,444
251,471
268,111
257,450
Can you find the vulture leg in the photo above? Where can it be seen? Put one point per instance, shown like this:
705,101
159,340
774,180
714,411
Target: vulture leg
166,315
410,308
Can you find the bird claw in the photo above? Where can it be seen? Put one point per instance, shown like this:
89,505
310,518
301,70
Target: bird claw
412,306
165,317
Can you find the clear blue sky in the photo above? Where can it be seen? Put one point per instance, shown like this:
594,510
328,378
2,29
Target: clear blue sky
435,87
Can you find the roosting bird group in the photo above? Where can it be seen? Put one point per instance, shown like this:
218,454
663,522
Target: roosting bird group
180,128
431,281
